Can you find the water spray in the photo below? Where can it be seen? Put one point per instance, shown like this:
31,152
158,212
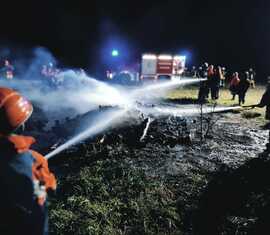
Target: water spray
185,111
111,119
99,126
162,86
226,109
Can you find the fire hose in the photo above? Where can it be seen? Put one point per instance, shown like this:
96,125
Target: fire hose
250,106
53,153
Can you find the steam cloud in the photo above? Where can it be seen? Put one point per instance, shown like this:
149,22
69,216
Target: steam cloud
77,91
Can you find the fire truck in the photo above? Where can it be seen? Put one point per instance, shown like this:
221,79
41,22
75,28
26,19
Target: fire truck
162,66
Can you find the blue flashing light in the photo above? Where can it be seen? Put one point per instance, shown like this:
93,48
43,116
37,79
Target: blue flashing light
115,53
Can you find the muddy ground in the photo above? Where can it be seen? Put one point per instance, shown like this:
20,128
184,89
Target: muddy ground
215,184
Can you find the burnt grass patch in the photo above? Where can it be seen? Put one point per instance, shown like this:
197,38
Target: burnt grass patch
236,201
169,183
250,114
182,100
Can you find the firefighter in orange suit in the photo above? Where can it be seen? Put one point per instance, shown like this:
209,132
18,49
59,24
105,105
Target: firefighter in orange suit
25,177
265,102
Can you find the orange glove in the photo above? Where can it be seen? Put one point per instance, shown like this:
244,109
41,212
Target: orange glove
42,173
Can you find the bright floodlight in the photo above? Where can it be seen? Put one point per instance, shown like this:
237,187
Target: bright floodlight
115,53
178,57
165,57
149,57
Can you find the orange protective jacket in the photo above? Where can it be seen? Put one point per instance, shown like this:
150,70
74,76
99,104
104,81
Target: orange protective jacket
43,179
235,81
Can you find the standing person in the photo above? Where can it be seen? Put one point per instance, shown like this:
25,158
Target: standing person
194,72
25,178
44,71
247,76
8,70
204,85
242,87
212,77
233,84
200,72
265,101
222,77
205,69
216,82
252,74
203,91
210,74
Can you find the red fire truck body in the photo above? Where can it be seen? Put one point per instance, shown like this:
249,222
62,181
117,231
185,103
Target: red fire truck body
162,66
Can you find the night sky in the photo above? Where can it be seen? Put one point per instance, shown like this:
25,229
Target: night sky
79,33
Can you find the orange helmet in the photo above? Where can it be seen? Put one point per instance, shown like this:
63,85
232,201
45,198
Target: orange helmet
14,110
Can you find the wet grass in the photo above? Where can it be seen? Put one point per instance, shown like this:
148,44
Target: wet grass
101,193
109,197
253,97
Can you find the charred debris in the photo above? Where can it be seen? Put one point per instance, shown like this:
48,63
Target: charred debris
151,175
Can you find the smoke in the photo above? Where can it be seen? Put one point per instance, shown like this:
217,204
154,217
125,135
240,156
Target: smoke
109,120
71,92
4,52
41,56
68,93
81,93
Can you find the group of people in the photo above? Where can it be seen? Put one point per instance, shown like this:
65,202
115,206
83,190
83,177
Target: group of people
56,78
239,86
217,77
25,178
49,73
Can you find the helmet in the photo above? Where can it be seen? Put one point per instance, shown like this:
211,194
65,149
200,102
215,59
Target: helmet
14,110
